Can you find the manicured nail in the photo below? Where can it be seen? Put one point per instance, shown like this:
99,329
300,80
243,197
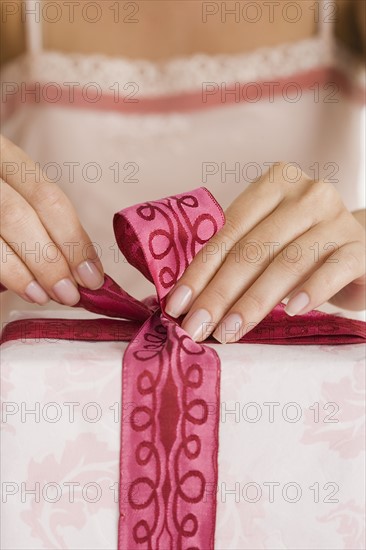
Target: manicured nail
229,329
297,304
178,300
90,275
66,292
36,294
198,325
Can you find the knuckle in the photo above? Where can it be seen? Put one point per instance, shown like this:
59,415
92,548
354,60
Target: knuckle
349,226
288,172
45,260
322,193
207,255
285,170
254,302
76,237
275,222
232,228
254,254
281,179
320,200
15,276
273,225
48,273
253,306
48,196
277,169
327,280
14,214
268,184
350,262
217,294
289,264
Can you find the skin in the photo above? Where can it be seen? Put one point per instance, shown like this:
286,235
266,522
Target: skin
165,28
236,273
37,211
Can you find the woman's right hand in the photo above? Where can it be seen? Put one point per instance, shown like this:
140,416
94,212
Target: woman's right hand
45,252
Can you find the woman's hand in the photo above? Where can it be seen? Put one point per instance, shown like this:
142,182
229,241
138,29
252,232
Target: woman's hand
45,252
284,236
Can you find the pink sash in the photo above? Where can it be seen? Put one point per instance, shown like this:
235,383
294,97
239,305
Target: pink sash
169,445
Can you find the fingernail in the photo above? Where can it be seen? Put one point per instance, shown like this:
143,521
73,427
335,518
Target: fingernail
198,325
66,292
229,329
90,275
178,300
36,294
297,304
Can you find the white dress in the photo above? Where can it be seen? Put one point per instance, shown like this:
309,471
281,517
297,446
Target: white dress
132,131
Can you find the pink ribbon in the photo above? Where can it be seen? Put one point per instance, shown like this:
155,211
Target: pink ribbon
169,445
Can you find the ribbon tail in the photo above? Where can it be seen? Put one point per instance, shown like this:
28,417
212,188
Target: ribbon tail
111,300
169,440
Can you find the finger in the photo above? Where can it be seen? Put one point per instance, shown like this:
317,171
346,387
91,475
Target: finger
16,276
56,213
278,281
342,268
247,260
23,231
288,269
254,204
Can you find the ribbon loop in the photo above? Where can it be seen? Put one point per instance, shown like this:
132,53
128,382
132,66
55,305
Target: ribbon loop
170,442
161,238
171,384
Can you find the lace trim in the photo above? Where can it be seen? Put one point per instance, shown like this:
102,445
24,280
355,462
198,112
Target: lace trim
179,75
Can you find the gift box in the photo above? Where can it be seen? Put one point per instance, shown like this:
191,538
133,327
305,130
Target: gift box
121,432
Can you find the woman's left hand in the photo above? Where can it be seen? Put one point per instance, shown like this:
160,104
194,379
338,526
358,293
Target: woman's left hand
281,239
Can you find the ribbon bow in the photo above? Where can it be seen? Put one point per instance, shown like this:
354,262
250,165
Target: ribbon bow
169,446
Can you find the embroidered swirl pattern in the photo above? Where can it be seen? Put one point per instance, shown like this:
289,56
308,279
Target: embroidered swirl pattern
170,440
